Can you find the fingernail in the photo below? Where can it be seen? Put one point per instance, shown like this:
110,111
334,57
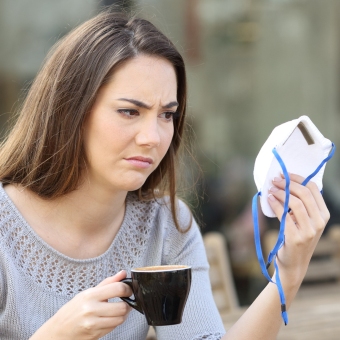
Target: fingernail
277,179
271,197
273,189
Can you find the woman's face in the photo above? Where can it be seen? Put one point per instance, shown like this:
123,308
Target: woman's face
130,126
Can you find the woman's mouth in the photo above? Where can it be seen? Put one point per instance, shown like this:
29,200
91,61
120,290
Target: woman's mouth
140,162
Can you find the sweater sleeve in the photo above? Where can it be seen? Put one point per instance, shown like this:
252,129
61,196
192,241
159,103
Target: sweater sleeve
201,319
2,290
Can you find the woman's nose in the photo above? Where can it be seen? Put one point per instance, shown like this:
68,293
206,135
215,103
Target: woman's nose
148,134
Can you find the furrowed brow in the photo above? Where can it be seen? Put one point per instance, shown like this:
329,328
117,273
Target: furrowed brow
170,105
135,102
145,106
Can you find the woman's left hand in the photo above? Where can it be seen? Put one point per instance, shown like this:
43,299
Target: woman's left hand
304,225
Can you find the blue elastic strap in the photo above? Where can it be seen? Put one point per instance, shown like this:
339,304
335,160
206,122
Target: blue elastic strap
258,239
264,267
280,240
331,154
284,313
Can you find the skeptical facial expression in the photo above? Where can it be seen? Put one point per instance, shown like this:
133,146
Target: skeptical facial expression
130,126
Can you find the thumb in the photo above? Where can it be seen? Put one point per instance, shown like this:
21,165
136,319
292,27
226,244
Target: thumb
115,278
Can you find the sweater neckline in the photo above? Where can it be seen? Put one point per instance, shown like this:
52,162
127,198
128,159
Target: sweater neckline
23,223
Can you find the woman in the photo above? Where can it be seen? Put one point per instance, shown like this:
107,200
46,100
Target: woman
88,192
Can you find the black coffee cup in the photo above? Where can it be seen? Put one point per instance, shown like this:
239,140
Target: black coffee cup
160,292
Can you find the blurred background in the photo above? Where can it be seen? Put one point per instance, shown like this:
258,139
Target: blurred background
252,65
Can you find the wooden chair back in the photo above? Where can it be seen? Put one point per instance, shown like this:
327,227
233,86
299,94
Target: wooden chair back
220,272
325,262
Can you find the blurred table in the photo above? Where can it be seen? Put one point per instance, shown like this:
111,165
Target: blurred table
313,315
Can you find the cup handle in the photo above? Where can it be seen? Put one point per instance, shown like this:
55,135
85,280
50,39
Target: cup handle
129,301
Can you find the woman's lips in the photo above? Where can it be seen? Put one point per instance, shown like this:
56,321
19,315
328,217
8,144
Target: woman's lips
140,162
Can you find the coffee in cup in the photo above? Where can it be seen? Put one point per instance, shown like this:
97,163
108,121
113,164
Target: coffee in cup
160,292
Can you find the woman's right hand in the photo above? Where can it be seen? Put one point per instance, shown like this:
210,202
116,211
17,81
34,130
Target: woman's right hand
89,315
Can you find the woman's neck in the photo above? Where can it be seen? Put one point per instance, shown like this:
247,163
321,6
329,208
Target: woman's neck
81,224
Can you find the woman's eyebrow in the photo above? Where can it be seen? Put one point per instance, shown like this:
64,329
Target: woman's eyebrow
145,106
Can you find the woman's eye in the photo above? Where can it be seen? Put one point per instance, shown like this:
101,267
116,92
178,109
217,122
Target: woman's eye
168,115
129,113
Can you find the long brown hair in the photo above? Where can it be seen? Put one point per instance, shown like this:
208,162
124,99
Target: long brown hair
44,151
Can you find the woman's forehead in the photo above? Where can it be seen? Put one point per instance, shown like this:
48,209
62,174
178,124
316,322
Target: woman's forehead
147,79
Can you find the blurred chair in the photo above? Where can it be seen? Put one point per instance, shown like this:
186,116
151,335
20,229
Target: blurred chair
221,277
325,262
151,334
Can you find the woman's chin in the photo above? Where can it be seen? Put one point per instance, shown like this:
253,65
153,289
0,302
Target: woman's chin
122,184
133,186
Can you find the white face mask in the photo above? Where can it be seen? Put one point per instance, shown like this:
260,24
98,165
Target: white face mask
297,147
301,147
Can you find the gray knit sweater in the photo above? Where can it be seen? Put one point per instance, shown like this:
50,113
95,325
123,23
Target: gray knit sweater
36,280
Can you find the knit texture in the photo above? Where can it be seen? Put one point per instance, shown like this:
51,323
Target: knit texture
36,280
